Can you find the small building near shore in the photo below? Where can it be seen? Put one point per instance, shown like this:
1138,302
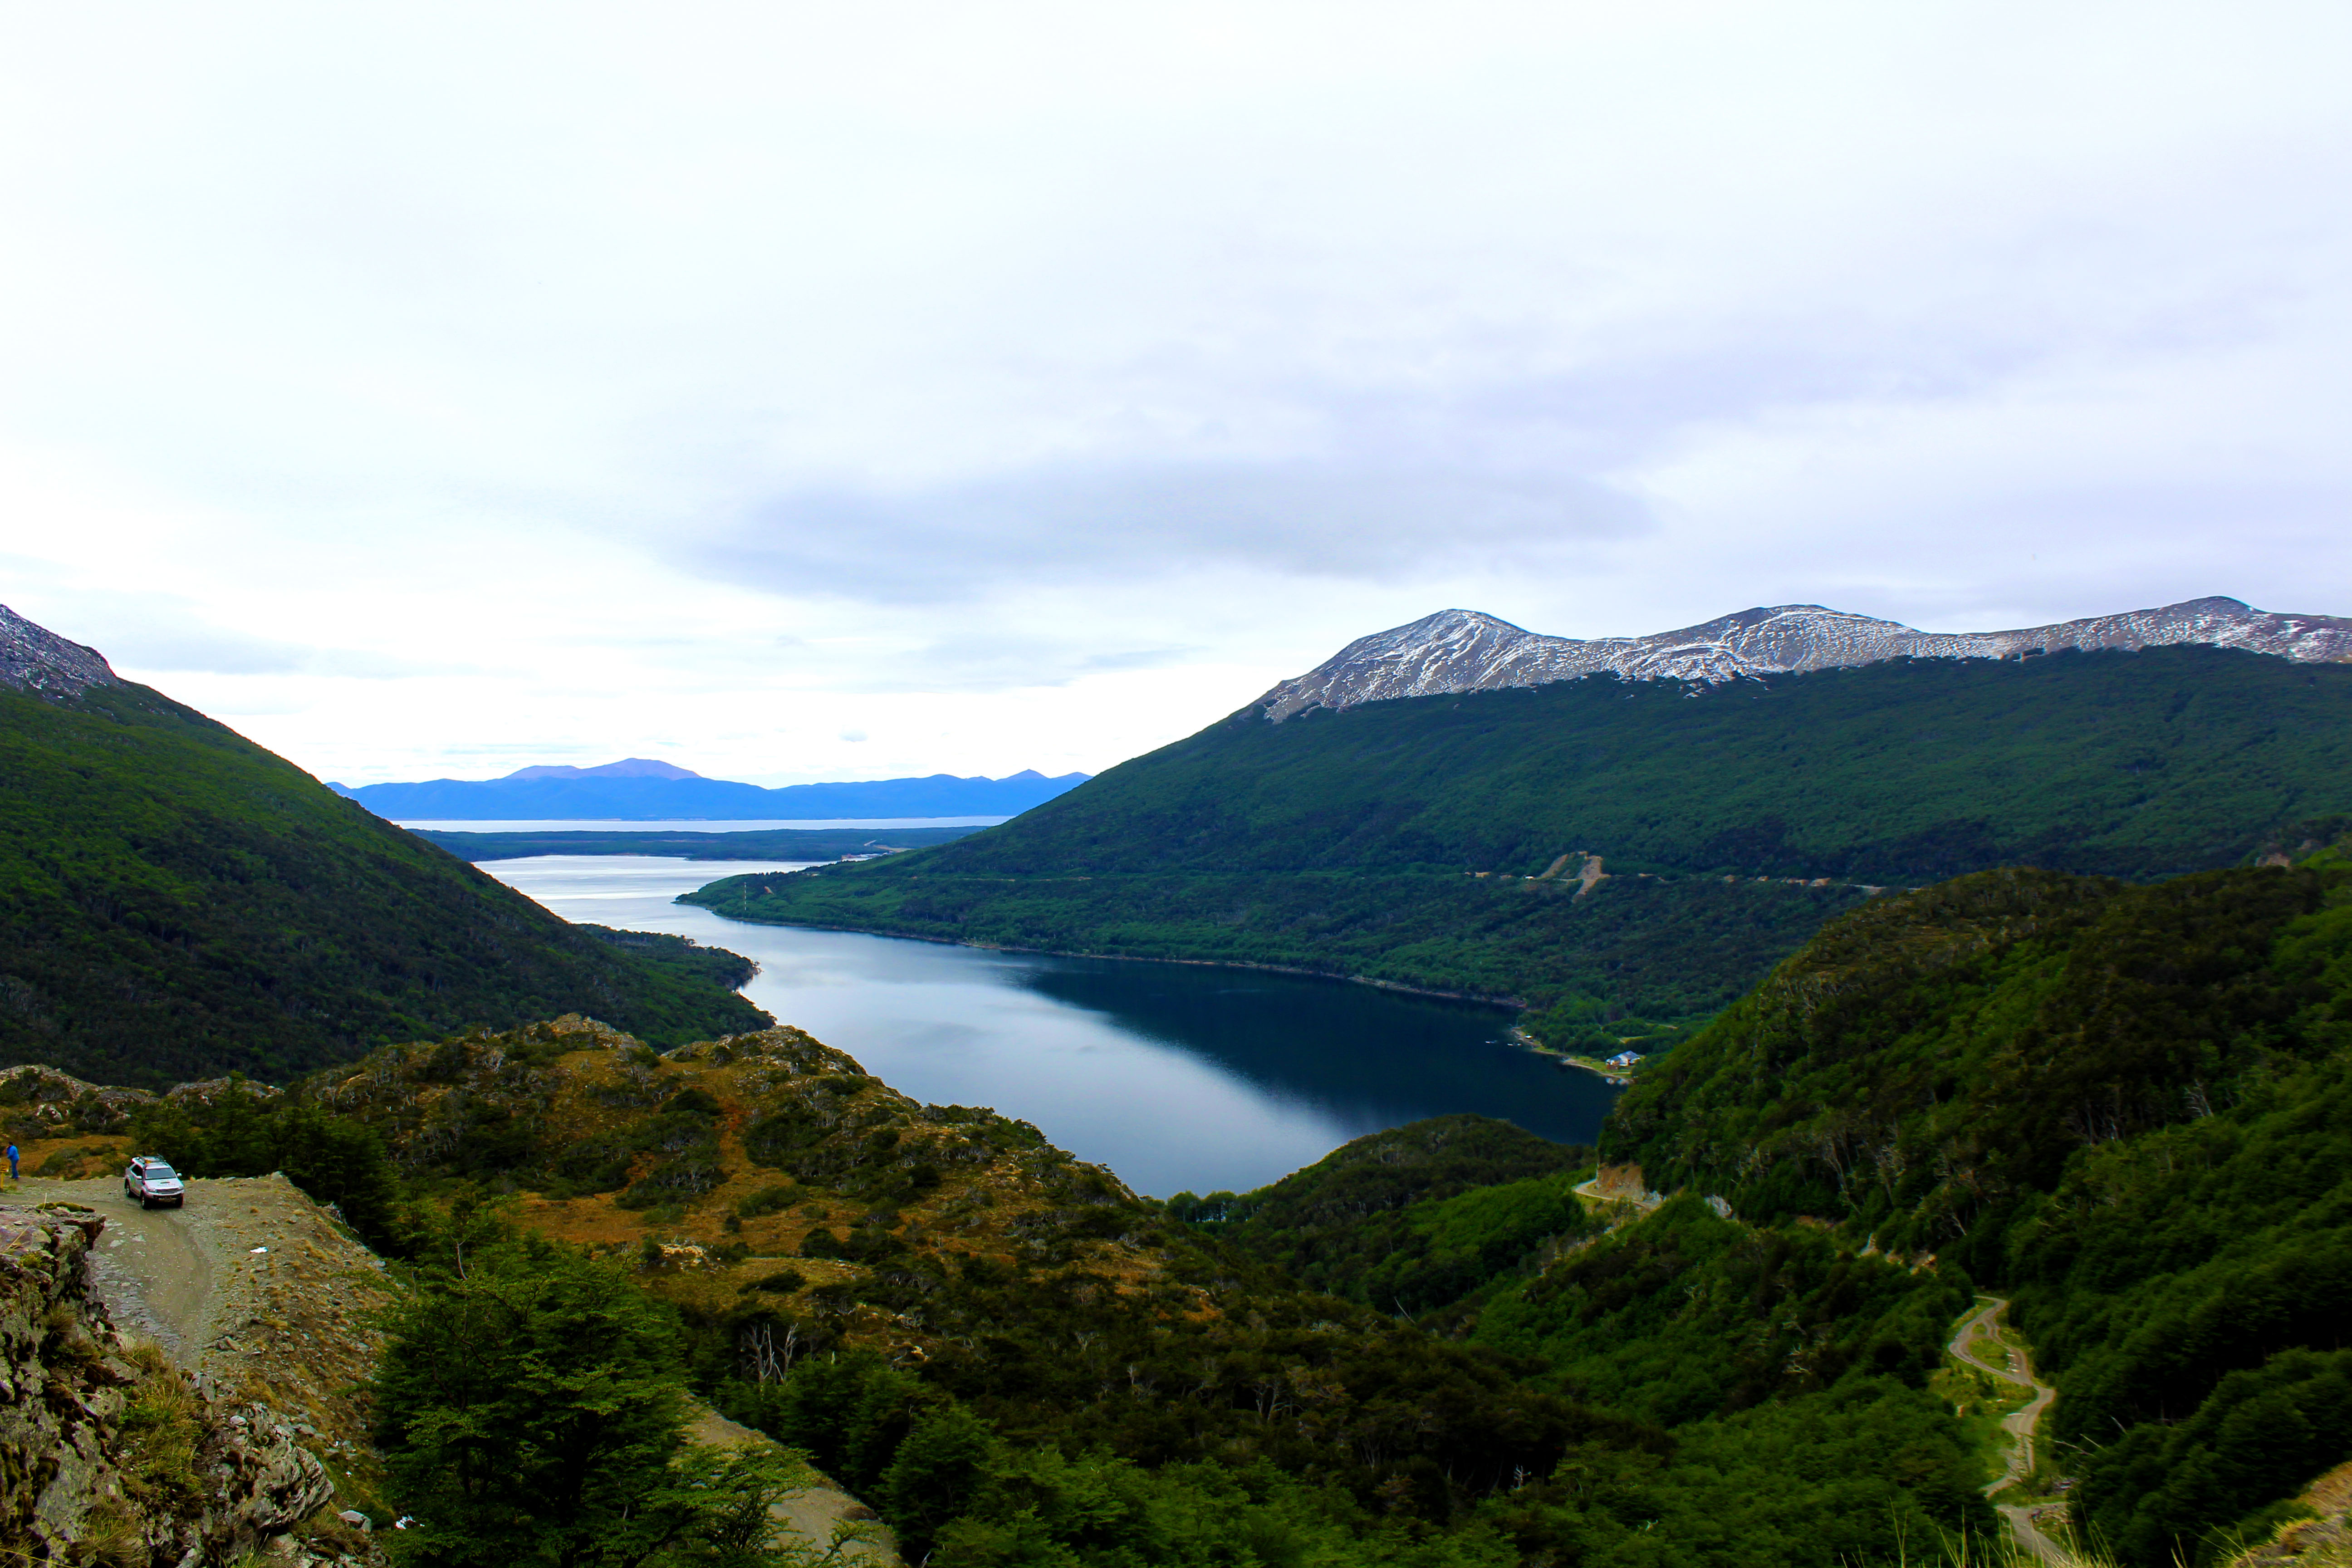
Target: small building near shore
1624,1059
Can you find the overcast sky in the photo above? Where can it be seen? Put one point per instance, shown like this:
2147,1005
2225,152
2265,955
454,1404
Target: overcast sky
798,392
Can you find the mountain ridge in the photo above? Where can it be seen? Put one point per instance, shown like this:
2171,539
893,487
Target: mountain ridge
554,793
1468,650
627,768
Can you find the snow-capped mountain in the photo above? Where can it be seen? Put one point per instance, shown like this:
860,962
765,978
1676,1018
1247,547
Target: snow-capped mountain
1464,651
35,659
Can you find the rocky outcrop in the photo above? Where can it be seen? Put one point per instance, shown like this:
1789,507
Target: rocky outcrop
38,1101
35,660
107,1452
1464,651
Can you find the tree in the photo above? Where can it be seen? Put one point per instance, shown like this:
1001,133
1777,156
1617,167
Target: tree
934,1474
532,1411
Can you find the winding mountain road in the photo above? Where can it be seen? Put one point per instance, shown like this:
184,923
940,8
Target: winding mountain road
2015,1366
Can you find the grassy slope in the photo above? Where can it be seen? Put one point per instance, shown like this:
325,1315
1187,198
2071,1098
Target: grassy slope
1339,842
179,901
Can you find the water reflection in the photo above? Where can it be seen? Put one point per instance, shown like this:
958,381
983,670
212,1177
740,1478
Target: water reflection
1175,1076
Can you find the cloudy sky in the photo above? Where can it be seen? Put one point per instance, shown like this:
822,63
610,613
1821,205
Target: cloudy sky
800,392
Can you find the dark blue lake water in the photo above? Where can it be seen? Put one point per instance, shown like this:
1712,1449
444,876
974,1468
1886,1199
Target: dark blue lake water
1174,1076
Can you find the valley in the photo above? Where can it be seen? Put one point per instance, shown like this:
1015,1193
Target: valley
553,1282
1448,1335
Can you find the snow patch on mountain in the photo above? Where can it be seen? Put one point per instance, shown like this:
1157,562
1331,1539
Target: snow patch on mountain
35,660
1464,650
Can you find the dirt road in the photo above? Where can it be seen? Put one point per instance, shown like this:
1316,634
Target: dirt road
248,1286
2016,1366
818,1514
154,1267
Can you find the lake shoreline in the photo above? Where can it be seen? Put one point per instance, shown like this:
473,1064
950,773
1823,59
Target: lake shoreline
1185,1076
1396,985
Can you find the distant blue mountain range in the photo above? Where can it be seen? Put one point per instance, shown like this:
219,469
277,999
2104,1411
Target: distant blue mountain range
639,790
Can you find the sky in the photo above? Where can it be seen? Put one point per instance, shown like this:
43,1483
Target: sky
800,392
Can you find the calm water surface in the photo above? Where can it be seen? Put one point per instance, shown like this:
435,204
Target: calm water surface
682,824
1175,1076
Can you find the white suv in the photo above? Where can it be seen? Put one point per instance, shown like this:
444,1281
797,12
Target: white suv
153,1182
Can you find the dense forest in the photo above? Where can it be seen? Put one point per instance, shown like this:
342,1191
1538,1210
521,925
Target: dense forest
175,901
1437,841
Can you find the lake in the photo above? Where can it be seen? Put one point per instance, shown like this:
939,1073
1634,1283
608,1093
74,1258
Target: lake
681,823
1175,1076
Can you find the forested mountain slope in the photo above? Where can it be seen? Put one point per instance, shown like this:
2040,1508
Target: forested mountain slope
2129,1108
176,902
1340,840
1413,1219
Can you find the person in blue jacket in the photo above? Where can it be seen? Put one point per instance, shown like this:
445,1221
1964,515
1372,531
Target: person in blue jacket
11,1162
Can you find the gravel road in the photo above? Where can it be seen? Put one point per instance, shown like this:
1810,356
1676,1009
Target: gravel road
2012,1365
154,1267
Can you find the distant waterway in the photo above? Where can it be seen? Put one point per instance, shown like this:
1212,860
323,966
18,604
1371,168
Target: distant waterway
684,824
1175,1076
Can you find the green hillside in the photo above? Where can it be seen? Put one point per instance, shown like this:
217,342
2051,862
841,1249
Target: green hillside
1339,842
175,901
2130,1109
2127,1108
1413,1219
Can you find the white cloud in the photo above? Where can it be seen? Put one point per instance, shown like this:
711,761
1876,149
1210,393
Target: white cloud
432,388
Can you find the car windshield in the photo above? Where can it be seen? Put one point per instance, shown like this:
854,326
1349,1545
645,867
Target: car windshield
158,1170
